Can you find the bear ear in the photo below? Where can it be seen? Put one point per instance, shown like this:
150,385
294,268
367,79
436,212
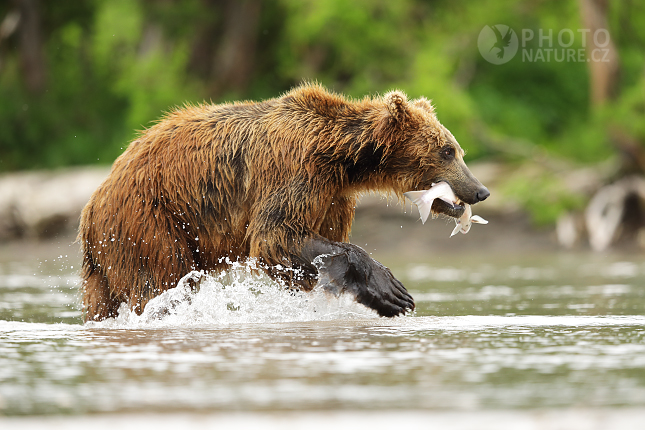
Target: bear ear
397,103
425,104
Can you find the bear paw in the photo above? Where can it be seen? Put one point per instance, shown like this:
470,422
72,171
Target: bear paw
353,271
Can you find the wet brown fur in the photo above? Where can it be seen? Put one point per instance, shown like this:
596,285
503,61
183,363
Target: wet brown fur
250,180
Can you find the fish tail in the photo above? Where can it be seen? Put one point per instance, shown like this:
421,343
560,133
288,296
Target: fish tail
424,208
424,211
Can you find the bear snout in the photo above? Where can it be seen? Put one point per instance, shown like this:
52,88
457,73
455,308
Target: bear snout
482,194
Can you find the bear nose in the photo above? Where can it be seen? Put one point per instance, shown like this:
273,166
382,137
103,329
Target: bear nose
482,194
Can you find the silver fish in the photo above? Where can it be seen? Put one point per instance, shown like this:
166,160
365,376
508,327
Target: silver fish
441,190
466,220
424,199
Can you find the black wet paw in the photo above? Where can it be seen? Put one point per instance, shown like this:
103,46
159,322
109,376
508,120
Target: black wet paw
353,271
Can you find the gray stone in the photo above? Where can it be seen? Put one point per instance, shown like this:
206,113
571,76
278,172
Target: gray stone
45,203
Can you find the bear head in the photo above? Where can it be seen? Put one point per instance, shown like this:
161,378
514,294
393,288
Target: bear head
421,152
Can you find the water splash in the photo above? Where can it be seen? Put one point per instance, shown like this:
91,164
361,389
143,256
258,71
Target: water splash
241,294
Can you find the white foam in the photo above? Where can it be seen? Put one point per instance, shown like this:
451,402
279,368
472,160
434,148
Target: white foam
242,294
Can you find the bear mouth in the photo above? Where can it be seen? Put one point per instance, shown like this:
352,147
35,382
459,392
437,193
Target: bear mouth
439,207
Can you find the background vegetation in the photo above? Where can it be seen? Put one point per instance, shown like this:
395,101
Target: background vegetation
78,78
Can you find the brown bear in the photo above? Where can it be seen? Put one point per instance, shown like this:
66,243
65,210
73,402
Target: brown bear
275,180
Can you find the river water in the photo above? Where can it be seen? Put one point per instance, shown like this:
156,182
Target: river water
518,334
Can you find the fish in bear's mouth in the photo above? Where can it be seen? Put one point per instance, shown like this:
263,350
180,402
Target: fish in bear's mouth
441,199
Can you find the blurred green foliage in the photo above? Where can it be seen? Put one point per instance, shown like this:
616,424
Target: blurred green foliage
542,194
114,66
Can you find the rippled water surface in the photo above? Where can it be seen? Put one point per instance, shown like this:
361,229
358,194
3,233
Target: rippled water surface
489,332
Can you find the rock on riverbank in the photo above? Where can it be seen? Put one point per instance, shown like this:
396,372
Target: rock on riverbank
43,204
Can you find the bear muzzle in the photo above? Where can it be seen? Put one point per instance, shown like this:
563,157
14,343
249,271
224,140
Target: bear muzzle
482,194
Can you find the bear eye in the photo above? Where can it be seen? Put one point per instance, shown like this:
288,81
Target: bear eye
448,152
